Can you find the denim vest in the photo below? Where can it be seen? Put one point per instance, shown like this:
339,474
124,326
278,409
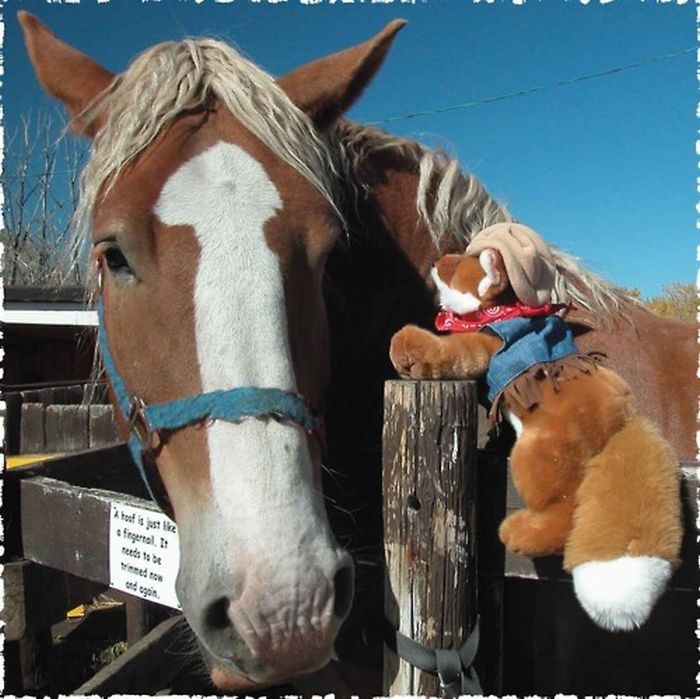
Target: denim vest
527,341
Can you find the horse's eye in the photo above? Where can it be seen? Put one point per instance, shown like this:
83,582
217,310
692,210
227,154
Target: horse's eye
115,260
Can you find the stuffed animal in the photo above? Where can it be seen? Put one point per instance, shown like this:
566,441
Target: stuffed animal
599,482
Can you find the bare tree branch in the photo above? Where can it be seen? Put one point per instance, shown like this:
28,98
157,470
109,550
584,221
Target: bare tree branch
40,198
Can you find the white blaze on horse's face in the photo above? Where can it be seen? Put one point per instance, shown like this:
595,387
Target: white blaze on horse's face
266,538
262,581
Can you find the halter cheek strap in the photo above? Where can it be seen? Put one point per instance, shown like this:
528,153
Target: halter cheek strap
146,422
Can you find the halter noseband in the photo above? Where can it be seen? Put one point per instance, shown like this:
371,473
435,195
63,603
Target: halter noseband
148,421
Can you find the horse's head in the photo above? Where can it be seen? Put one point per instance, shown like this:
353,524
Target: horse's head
209,199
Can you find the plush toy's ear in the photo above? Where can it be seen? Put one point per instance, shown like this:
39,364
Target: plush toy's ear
496,279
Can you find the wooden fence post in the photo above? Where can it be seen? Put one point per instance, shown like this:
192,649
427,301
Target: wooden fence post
429,474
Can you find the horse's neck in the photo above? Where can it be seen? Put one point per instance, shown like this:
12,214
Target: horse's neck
654,355
395,201
382,275
379,281
392,197
375,284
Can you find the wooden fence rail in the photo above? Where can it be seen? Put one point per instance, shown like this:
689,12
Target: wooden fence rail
58,420
535,638
66,428
68,497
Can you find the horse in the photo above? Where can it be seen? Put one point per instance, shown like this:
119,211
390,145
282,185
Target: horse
245,234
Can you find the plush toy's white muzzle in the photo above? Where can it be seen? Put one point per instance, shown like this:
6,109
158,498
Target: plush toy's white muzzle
453,300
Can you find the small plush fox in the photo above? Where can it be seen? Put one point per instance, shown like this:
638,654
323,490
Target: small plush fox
598,481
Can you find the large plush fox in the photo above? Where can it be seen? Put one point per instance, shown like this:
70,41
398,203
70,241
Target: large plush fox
598,481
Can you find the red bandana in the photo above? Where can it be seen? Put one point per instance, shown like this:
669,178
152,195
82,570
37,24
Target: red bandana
448,321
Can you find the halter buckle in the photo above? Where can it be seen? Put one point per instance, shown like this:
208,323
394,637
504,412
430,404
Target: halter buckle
139,426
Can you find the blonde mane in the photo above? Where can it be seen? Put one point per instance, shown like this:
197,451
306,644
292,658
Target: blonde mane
178,75
175,76
455,206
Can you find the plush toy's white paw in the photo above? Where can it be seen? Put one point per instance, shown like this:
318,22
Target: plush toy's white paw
619,594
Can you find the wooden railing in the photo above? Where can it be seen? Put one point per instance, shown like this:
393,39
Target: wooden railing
443,501
58,420
445,491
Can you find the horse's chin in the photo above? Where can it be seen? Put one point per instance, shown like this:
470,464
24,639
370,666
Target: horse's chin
228,679
223,675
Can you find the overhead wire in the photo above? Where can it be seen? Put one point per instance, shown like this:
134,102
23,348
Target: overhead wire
535,88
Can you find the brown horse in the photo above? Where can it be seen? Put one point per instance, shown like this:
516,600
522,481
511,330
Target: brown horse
215,198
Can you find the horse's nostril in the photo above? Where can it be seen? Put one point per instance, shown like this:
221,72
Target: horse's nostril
216,616
343,584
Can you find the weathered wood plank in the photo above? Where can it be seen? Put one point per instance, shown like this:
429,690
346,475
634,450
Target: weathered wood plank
25,664
146,667
65,394
66,428
78,520
429,453
33,294
102,426
36,597
106,468
141,616
109,468
137,620
14,613
13,422
32,434
68,395
28,435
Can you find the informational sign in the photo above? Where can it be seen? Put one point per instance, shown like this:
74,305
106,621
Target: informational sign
144,553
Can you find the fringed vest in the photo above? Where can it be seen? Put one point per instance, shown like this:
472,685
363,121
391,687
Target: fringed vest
533,348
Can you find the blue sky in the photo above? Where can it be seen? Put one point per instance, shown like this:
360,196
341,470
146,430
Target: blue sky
604,168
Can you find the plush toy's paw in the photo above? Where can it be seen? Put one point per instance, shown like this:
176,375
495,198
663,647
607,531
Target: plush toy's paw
529,533
620,594
414,352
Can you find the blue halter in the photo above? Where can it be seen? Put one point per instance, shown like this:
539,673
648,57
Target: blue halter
146,421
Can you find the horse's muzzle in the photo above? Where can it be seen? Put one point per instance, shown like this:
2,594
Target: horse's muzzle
269,633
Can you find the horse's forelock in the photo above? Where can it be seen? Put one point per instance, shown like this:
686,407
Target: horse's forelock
178,75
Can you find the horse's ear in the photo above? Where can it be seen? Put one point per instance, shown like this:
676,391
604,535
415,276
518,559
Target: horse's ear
63,72
325,88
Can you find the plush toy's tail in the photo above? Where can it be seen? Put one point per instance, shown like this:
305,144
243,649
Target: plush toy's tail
626,532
